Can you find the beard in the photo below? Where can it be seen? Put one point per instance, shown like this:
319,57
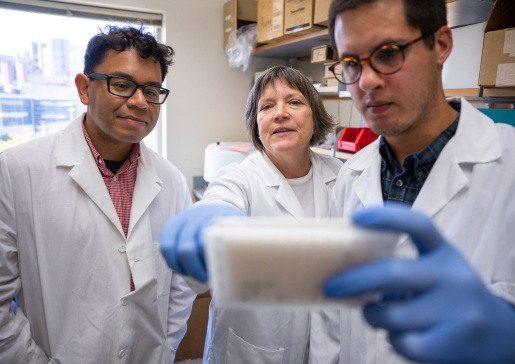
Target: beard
412,109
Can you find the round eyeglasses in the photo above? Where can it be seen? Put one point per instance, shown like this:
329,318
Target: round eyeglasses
123,87
385,60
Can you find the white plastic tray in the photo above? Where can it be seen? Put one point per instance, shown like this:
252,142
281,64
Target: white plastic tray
279,261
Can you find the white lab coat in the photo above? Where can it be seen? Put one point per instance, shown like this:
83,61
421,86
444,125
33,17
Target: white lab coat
257,188
470,197
62,256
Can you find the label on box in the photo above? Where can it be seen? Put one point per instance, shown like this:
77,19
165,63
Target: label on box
318,54
277,19
505,75
509,42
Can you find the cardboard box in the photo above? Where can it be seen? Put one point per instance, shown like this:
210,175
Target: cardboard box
331,82
329,74
270,21
192,345
322,12
298,17
323,54
498,60
238,13
499,92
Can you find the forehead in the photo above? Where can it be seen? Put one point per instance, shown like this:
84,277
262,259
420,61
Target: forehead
363,28
279,87
130,62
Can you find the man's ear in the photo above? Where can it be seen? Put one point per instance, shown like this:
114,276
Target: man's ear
443,44
83,84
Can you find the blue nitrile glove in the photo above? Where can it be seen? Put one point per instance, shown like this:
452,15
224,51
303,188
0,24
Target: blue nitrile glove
181,238
451,316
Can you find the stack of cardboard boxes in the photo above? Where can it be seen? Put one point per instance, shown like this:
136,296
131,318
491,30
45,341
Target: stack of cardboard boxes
277,20
327,55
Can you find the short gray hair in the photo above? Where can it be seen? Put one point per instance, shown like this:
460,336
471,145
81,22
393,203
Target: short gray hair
323,124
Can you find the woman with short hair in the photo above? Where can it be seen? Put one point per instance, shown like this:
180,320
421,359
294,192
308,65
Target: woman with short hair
285,116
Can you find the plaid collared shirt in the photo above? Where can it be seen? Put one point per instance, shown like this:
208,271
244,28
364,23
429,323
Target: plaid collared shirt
121,185
404,184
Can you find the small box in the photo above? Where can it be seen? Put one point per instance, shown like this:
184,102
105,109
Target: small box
270,21
322,12
331,82
298,17
238,13
498,60
355,139
328,73
323,54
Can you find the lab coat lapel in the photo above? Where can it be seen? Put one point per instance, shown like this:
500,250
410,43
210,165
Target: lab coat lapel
148,186
368,185
275,179
476,141
444,181
322,176
73,151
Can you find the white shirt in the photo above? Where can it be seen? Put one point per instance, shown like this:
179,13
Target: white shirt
304,190
64,255
469,197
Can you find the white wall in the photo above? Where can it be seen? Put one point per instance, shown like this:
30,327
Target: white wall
207,98
461,70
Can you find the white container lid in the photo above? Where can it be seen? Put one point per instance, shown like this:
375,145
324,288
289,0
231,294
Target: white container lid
221,154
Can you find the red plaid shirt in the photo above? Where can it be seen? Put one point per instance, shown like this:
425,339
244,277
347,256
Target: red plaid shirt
121,185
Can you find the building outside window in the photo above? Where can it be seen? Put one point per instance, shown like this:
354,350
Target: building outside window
39,62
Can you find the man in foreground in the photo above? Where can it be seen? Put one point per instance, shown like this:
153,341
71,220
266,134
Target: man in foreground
448,162
80,215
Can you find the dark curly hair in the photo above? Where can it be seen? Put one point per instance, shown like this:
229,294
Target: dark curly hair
127,37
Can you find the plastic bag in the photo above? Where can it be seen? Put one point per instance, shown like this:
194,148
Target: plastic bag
240,46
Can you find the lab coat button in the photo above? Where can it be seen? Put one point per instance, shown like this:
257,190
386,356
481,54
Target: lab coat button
399,183
125,301
121,248
121,353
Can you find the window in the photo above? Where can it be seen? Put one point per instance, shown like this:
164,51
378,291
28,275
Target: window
40,59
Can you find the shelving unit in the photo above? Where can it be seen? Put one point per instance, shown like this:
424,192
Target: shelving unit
460,13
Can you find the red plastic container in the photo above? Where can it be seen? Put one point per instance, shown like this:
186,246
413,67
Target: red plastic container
355,139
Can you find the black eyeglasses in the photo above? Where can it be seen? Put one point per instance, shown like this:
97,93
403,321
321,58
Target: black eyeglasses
123,87
385,60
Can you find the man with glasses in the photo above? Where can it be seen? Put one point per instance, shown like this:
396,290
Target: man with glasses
450,171
80,216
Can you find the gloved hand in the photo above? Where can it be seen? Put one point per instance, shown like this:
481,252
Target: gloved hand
181,238
450,315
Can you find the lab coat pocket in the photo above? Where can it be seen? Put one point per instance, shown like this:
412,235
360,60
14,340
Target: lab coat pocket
241,352
163,272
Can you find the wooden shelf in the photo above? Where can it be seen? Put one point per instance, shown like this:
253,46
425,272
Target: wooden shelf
294,47
328,151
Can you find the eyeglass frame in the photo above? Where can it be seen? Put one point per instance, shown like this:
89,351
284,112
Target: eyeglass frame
361,61
103,76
